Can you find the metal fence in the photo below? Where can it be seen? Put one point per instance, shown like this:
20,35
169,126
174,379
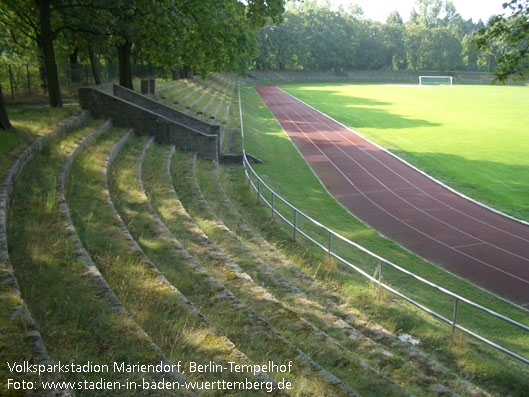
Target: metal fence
312,230
24,79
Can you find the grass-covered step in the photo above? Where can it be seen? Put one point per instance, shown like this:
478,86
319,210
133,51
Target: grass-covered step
200,98
100,284
172,322
29,125
469,360
175,93
251,334
20,339
307,296
225,98
397,364
329,353
219,99
76,325
201,101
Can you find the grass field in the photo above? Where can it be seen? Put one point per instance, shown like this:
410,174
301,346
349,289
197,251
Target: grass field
474,138
288,174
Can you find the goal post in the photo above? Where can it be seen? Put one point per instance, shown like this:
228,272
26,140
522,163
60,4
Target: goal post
435,80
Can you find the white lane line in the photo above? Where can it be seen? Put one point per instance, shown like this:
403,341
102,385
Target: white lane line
467,245
400,197
424,174
390,214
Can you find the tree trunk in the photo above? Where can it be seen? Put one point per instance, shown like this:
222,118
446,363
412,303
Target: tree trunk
125,70
75,74
94,64
42,70
4,119
46,39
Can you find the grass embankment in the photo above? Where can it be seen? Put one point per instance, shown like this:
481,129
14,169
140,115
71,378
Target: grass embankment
326,352
181,335
76,325
290,176
249,333
473,138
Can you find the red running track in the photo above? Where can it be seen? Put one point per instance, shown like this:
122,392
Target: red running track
464,238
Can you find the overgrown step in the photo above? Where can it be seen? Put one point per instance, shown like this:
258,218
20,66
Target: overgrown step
248,330
198,96
92,272
20,339
170,319
331,354
76,325
321,306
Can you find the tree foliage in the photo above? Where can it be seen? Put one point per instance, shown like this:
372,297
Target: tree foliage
316,37
508,35
205,35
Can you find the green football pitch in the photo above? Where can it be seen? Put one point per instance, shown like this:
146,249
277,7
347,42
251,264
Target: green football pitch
473,138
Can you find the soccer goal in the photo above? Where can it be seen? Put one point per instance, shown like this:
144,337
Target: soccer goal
435,80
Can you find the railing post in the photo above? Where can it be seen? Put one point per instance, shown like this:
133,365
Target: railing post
295,223
330,246
380,277
454,318
273,196
258,190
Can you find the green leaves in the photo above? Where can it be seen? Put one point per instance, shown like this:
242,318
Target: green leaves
508,36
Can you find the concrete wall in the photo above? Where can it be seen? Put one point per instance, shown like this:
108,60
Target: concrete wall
164,110
148,117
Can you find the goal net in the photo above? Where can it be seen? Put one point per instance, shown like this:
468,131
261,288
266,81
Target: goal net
435,80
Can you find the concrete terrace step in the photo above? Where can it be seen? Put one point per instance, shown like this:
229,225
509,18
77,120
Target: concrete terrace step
205,344
92,272
16,314
293,326
174,323
244,327
196,99
389,355
75,323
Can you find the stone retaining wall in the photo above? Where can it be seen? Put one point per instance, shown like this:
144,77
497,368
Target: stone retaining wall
148,117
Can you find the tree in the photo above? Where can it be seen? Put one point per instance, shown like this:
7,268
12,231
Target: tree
509,34
394,19
393,39
43,21
433,13
200,35
5,124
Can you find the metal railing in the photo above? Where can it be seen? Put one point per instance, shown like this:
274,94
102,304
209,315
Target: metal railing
258,185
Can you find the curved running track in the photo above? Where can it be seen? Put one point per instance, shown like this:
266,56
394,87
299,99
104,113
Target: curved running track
466,239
